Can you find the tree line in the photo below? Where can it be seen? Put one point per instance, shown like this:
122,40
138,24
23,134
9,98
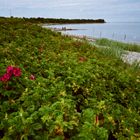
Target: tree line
52,20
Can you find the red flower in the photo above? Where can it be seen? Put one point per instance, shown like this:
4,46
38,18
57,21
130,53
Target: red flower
16,72
6,77
9,70
32,77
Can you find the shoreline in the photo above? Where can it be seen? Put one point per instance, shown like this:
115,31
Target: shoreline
70,35
129,57
111,35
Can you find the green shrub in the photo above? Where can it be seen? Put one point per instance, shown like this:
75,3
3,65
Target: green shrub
67,89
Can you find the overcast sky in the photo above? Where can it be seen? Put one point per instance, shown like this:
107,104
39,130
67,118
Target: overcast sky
110,10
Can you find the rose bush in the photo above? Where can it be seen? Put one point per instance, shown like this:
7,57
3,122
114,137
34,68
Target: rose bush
56,87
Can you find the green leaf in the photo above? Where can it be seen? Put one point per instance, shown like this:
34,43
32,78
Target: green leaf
37,126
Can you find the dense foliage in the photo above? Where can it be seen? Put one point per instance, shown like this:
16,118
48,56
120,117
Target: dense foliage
60,88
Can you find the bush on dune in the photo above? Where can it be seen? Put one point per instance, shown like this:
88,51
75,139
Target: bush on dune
59,88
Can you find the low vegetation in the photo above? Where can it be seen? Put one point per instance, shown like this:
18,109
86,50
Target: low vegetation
116,44
55,87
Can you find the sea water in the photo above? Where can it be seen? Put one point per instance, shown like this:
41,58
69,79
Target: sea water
120,31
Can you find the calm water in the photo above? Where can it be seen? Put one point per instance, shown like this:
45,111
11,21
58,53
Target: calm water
126,32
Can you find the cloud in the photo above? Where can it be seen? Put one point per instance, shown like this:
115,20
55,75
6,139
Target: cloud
108,9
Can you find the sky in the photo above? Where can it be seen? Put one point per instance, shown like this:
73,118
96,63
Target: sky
110,10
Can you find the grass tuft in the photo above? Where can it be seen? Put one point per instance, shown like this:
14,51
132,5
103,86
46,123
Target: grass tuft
121,45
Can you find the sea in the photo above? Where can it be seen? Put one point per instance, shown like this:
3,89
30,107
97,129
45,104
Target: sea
128,32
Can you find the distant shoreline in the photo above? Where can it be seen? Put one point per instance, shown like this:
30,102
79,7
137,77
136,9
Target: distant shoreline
81,37
65,21
57,20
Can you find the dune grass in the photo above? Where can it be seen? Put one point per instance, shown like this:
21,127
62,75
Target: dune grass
121,45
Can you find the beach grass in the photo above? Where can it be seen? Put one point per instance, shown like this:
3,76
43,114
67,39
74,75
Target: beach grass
121,45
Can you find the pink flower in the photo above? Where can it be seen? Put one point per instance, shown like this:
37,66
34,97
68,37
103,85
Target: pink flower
6,77
32,77
9,70
16,72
